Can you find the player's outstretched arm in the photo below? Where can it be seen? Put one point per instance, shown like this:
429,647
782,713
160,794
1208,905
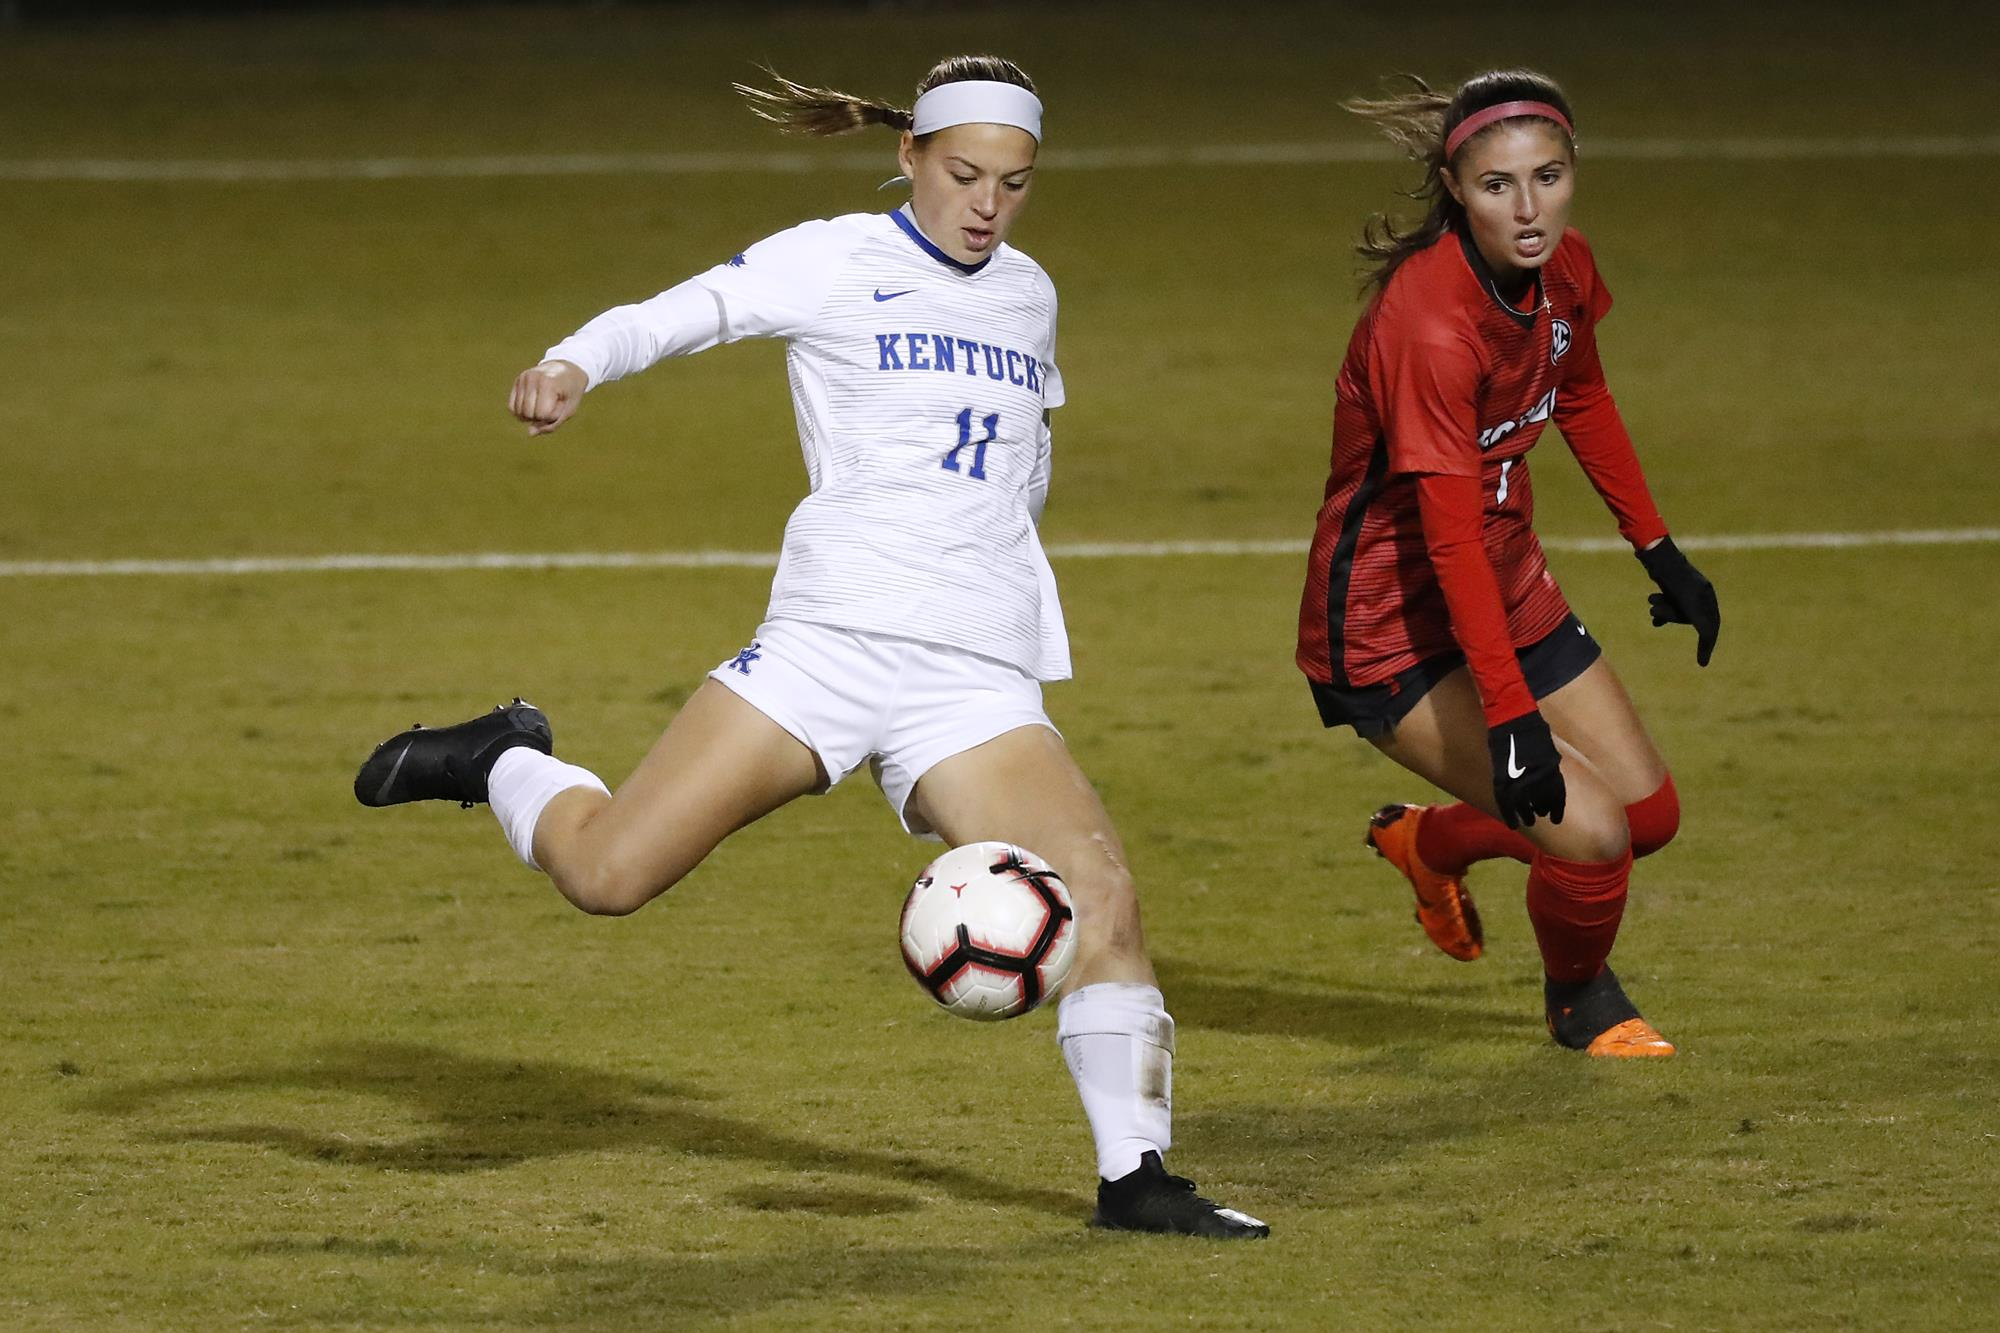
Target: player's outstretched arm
547,395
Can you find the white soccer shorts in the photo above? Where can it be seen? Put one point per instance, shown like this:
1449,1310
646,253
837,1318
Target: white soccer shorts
851,697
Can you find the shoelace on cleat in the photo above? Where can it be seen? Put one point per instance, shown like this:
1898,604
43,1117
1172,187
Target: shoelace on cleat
1182,1185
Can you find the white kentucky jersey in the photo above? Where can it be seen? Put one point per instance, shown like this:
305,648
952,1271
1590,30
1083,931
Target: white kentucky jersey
920,385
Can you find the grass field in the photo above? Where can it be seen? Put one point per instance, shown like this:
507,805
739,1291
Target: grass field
267,1059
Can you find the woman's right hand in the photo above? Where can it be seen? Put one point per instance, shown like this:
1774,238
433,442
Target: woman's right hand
1527,770
547,395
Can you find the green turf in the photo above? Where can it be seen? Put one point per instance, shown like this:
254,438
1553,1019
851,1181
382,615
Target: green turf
267,1059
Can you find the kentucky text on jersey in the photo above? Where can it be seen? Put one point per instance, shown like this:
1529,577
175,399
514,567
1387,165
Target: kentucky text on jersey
945,353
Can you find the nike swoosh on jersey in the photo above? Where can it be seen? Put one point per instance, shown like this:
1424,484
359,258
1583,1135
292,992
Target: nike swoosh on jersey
880,295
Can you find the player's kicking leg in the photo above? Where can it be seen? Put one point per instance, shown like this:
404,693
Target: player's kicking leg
1116,1036
449,763
720,764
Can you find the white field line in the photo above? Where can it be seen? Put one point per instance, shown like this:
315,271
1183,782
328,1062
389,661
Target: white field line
335,564
21,170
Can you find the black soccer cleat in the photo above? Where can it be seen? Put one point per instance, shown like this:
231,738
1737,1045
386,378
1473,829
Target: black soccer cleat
449,763
1151,1200
1596,1017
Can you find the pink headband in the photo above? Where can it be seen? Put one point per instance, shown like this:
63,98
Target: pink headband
1479,120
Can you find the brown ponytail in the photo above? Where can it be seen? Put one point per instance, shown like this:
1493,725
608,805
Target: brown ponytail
1418,120
798,108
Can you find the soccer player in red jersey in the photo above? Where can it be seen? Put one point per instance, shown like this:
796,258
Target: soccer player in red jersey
1430,622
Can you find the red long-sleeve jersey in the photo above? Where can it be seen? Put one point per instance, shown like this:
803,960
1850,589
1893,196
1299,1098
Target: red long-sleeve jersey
1425,540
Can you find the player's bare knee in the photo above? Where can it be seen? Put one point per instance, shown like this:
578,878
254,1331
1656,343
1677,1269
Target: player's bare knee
609,888
1596,836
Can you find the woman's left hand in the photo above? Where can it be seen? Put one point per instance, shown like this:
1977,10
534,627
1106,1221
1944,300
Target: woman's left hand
1685,597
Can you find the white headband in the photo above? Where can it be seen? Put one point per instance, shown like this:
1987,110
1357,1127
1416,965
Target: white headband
977,102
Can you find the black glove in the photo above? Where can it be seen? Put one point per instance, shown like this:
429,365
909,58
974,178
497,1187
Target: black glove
1527,770
1684,598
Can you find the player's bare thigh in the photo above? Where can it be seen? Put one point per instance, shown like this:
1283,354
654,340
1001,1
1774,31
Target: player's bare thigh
1443,741
1595,716
719,765
1025,788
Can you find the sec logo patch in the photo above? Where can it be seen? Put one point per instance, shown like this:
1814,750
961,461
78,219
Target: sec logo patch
1559,339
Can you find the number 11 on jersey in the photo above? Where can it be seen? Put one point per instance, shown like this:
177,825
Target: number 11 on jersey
991,424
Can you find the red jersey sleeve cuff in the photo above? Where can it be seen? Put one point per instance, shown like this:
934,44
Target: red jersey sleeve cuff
1645,533
1513,699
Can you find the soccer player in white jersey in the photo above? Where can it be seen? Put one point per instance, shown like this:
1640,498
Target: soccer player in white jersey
913,616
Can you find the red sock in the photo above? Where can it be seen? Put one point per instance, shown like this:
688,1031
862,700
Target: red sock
1653,821
1451,837
1575,907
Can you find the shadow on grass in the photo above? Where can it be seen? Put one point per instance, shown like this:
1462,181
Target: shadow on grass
655,1290
819,1201
1348,1016
1310,1154
1417,1099
495,1113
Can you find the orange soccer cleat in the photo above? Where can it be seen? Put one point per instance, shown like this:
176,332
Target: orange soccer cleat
1595,1017
1634,1039
1444,908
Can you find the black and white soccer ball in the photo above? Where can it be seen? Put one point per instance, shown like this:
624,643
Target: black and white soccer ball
989,931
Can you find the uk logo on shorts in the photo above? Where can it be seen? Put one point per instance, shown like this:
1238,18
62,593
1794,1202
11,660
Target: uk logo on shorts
741,662
1559,339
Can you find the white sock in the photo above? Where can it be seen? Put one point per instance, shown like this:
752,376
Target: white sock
520,787
1118,1041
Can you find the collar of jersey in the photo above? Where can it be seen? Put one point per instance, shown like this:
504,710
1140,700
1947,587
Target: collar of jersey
1480,270
903,219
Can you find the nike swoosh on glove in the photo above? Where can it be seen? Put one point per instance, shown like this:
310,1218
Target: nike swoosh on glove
1685,596
1527,770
